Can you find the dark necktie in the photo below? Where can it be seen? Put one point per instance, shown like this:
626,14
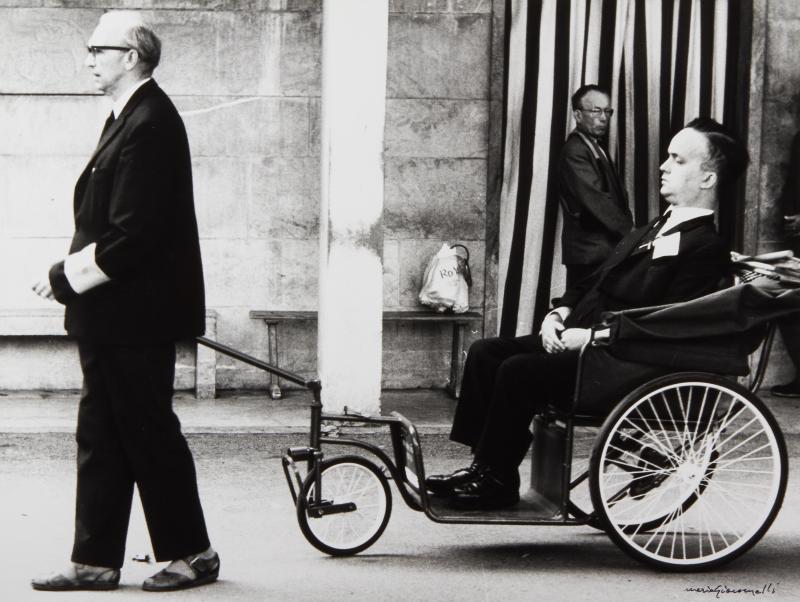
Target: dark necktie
647,240
108,123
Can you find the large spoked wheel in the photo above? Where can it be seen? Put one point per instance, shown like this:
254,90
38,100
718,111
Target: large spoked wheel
354,508
688,472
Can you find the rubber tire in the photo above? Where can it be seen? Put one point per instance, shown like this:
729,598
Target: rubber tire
607,431
308,482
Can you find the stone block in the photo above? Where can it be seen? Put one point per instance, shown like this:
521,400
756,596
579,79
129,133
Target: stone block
220,49
51,125
27,260
264,126
782,77
185,366
782,10
438,56
436,128
300,54
283,201
440,6
220,192
414,257
212,47
238,272
37,195
45,48
391,274
48,363
435,198
32,322
212,5
296,270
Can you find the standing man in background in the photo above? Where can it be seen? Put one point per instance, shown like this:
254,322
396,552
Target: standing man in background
132,285
595,210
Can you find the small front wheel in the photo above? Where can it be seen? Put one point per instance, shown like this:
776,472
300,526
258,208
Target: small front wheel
353,508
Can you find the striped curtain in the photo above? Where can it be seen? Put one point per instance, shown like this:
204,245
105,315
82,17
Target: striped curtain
664,62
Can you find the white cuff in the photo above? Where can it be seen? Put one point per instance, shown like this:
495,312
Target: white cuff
602,335
563,312
82,272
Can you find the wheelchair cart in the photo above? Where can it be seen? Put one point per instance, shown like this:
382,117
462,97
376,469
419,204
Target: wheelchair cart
686,471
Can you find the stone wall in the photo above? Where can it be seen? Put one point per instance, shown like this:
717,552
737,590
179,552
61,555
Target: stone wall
775,119
246,77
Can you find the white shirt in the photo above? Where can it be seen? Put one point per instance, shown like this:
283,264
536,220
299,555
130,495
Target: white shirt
678,215
120,103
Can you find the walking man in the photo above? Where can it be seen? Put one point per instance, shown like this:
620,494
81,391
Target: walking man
132,285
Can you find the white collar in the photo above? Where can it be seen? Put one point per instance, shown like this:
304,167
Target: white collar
120,103
678,215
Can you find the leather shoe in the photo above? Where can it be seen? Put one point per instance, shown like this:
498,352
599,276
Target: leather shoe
104,580
206,570
491,490
791,389
443,484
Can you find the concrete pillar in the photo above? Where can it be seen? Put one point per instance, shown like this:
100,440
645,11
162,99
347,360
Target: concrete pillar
354,43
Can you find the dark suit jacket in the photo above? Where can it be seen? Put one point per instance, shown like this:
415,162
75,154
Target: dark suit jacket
134,199
630,277
596,213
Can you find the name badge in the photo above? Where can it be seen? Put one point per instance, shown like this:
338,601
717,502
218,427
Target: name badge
666,246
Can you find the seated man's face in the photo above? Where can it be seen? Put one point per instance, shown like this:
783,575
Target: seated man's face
683,175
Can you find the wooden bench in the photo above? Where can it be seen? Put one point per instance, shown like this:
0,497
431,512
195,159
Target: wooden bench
459,322
43,322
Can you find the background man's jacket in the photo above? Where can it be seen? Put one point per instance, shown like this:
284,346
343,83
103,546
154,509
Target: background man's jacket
595,210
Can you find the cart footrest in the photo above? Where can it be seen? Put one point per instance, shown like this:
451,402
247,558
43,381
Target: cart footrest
298,454
325,507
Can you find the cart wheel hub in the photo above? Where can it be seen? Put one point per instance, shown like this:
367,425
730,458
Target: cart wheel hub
690,473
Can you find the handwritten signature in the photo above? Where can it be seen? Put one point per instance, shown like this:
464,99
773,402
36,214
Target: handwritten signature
718,590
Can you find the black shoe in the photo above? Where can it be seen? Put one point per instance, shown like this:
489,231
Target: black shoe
82,580
443,484
791,389
491,490
206,570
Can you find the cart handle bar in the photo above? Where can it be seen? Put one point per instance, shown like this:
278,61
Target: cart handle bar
312,384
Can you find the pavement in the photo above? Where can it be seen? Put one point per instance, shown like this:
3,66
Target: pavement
430,410
253,523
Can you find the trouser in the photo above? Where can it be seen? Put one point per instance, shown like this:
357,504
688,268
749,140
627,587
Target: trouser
506,382
128,434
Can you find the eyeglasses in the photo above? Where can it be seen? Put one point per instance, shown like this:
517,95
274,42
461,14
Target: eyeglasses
93,50
598,112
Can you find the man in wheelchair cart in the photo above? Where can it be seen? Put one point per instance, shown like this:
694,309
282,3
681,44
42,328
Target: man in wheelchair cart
676,257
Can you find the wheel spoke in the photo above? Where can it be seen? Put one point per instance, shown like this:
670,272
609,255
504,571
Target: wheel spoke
690,471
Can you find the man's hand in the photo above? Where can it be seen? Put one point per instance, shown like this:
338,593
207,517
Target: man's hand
43,289
791,225
575,338
552,327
